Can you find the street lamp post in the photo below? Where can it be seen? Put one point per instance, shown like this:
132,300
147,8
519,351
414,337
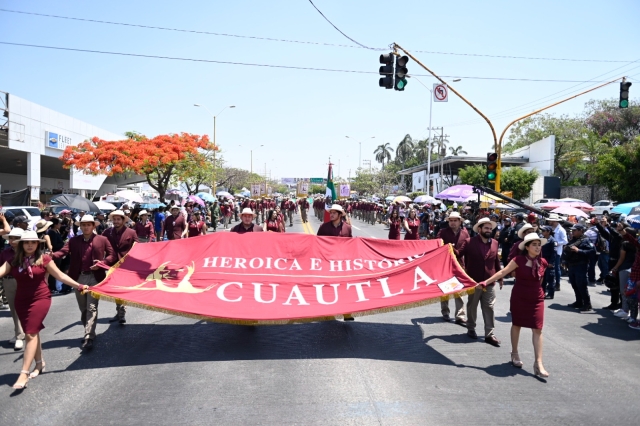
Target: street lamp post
215,146
360,153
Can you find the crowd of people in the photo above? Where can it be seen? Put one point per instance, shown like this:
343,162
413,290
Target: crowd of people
68,251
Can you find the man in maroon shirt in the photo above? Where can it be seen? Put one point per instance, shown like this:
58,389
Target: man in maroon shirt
458,237
482,262
246,224
304,207
335,227
121,239
85,251
175,225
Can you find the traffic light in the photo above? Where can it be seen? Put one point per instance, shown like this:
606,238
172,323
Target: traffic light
624,94
386,71
401,71
492,166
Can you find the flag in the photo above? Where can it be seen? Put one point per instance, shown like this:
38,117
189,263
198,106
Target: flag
331,189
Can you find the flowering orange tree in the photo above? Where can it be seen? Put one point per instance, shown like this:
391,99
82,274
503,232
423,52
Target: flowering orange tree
155,158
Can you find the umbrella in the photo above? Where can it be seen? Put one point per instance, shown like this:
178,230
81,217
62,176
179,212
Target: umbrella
151,205
103,205
625,208
456,193
75,202
501,206
206,197
634,220
389,198
569,211
196,200
570,203
130,195
402,199
175,194
424,199
224,194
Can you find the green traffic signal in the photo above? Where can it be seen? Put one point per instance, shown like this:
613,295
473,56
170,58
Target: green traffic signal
401,83
491,176
624,94
624,103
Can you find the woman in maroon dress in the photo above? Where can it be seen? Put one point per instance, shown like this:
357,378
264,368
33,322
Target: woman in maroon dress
527,297
394,225
412,225
196,225
33,298
272,224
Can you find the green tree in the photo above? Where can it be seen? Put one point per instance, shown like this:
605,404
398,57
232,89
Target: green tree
472,175
318,189
404,151
422,151
619,171
364,182
457,151
616,125
519,181
383,153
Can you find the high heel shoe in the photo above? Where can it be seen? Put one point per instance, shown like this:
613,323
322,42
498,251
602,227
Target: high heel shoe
540,371
24,385
37,371
515,362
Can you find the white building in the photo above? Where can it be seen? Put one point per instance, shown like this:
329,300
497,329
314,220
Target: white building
32,139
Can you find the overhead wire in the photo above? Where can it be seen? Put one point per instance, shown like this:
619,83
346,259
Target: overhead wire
174,58
273,39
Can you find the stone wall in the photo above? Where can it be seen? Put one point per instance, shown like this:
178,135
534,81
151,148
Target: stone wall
584,193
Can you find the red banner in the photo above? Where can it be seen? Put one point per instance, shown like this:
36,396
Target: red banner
268,278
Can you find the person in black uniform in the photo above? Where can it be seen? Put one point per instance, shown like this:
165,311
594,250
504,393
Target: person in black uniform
505,240
577,254
549,254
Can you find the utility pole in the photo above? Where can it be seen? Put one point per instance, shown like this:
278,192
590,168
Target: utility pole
429,155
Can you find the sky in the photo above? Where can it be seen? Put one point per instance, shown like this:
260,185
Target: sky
289,122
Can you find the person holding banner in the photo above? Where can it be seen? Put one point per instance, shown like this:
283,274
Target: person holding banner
458,237
196,225
527,297
272,224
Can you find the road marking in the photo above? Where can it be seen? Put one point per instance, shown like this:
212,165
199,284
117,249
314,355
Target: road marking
353,226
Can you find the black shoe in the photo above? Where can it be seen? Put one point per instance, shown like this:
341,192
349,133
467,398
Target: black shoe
472,334
349,319
547,297
87,345
612,307
122,320
575,305
446,318
114,319
586,308
600,280
558,287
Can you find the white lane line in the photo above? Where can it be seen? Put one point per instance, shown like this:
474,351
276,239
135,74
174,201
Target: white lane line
353,226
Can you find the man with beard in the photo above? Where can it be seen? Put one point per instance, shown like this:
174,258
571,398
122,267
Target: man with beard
458,237
482,262
175,225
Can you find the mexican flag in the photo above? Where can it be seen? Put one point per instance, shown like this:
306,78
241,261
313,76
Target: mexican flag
331,189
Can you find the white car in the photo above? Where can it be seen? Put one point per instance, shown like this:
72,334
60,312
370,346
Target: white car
603,207
538,204
32,213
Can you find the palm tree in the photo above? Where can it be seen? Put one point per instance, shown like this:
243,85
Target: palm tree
457,151
405,148
383,153
422,150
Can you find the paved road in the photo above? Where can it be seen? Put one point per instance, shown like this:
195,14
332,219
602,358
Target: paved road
400,368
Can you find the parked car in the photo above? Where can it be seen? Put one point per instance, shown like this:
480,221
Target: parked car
538,204
32,213
603,207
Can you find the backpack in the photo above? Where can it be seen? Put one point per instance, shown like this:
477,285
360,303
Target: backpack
601,244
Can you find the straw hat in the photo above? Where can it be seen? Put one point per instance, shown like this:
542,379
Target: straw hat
531,237
30,236
175,207
143,212
42,225
116,213
454,215
481,222
524,228
337,208
247,210
553,218
15,232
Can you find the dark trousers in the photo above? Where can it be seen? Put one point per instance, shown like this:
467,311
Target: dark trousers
593,259
558,272
603,264
615,290
549,282
578,280
506,248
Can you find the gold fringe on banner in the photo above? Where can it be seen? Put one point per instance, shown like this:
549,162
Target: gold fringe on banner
402,307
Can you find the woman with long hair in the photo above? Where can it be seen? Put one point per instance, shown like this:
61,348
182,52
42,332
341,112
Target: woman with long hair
29,268
527,297
395,221
412,226
196,225
272,224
